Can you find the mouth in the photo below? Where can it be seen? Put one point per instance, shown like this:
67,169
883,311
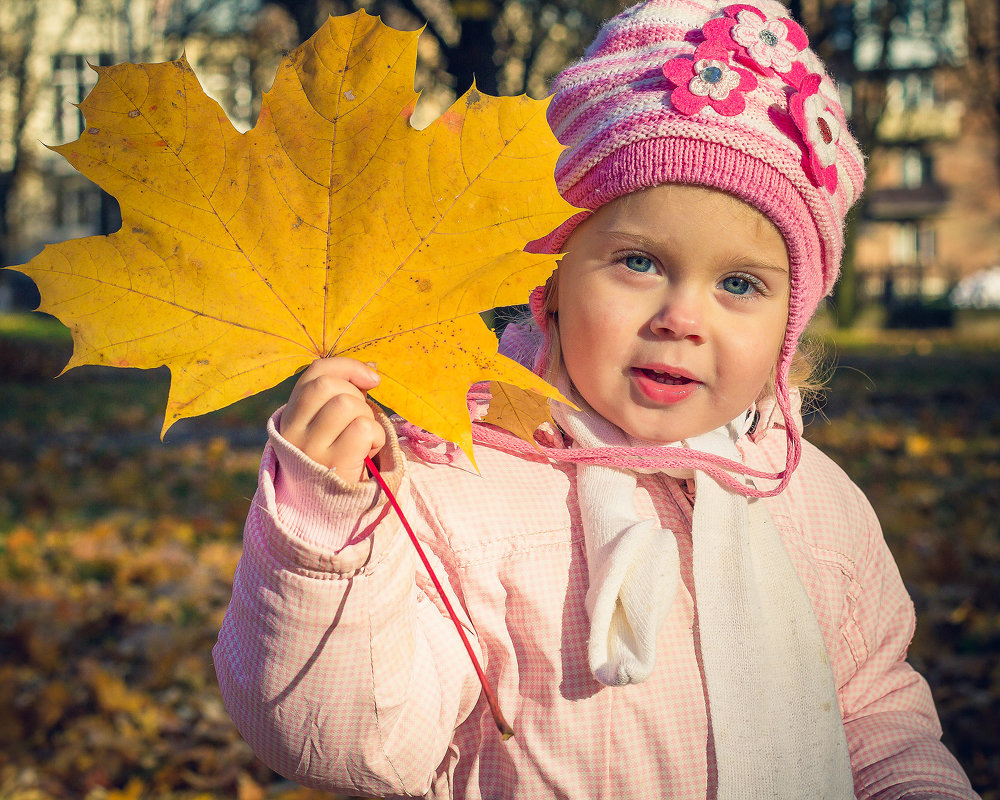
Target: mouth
664,386
665,377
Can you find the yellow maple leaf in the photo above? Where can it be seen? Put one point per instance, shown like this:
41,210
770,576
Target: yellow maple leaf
333,227
517,410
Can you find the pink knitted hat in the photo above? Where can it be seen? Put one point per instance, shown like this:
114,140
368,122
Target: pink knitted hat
724,96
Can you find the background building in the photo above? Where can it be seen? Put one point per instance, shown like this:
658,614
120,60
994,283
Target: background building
47,50
933,207
920,79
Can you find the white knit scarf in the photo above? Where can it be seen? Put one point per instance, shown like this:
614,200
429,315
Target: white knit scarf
772,702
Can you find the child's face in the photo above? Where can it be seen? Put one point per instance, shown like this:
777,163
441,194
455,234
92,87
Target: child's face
672,304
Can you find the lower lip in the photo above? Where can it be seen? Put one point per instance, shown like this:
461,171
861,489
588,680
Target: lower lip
665,393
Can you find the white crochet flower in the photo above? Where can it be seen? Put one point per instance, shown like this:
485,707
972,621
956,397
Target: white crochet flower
823,130
766,41
713,78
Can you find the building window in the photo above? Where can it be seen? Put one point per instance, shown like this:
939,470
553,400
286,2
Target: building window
914,244
912,168
72,79
926,245
909,91
918,90
904,248
77,202
81,208
916,168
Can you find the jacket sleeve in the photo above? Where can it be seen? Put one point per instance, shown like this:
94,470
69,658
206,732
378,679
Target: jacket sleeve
893,731
337,670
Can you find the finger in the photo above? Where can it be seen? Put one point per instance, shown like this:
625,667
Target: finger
316,391
363,376
362,438
336,414
326,399
310,395
320,381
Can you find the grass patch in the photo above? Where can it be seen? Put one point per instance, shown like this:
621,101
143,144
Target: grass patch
974,333
33,326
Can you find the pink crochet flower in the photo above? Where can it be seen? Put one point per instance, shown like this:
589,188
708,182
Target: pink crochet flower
820,129
708,79
769,46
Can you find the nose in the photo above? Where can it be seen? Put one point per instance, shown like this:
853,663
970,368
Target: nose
680,316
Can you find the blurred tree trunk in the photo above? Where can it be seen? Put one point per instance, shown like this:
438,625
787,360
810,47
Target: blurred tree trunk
305,14
471,59
984,60
484,40
16,49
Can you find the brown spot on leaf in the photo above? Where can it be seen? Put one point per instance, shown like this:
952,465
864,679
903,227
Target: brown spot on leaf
134,113
452,121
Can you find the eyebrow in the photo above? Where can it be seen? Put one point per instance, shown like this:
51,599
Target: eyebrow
767,266
640,240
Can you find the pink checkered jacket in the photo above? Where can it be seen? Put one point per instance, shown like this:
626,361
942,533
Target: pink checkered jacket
341,669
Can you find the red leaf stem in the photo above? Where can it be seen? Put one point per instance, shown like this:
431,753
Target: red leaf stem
505,730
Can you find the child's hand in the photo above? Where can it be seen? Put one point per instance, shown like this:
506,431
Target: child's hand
328,419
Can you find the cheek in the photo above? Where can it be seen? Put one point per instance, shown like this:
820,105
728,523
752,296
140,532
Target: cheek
763,335
771,339
751,361
585,327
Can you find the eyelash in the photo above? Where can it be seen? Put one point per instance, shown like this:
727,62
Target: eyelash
759,287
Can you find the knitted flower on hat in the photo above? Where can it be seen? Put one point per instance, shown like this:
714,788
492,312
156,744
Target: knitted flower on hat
769,45
708,78
820,128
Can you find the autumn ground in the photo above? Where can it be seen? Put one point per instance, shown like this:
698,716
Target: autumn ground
117,553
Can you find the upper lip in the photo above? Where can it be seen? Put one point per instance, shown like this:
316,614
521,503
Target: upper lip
676,372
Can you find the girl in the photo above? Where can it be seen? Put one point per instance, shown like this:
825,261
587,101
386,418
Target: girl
677,596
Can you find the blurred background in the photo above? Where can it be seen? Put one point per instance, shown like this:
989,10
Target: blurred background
117,550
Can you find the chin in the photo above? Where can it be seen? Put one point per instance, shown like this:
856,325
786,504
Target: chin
658,434
658,431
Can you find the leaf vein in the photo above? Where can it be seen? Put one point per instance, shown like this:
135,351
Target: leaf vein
433,228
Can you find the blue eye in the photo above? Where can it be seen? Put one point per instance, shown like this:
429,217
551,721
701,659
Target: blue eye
738,285
639,263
